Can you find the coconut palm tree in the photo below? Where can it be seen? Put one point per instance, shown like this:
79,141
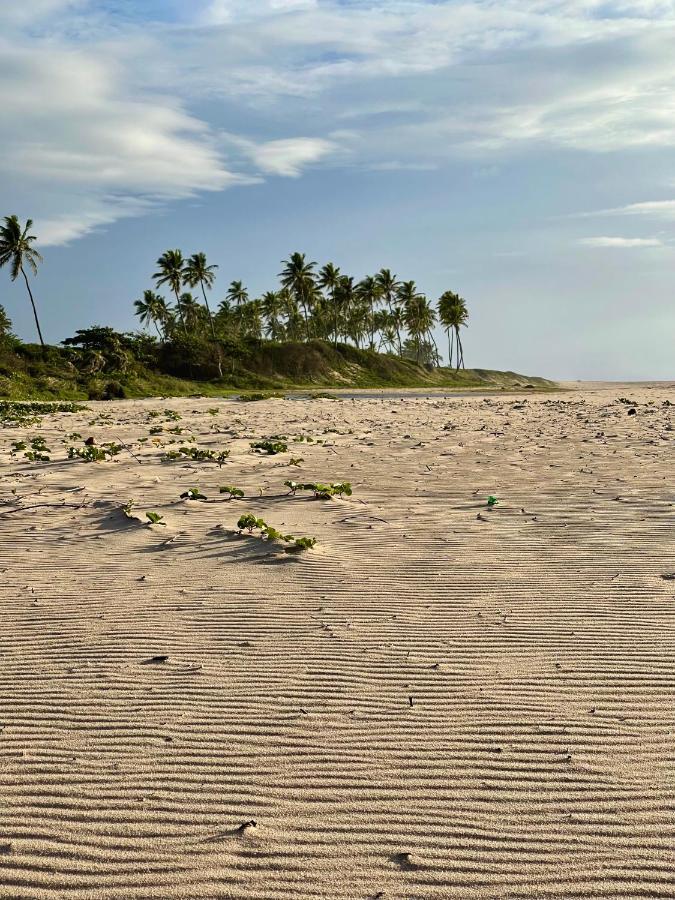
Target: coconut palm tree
197,272
367,289
272,310
190,311
170,272
297,276
453,313
152,308
418,314
388,285
329,280
16,249
237,293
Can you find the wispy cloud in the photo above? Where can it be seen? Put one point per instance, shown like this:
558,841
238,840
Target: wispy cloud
619,242
99,104
659,208
287,157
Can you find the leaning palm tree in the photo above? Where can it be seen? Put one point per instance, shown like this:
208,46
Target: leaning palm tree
453,313
16,249
170,271
152,308
297,276
197,272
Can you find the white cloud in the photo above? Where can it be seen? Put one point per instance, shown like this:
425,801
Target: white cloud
99,113
70,121
288,157
620,242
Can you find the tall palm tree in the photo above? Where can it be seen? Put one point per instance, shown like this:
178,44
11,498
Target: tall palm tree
369,292
170,272
16,249
329,280
152,308
197,272
345,298
190,311
272,310
388,285
297,276
418,314
237,293
453,313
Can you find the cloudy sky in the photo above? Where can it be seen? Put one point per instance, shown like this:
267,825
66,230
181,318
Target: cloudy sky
519,152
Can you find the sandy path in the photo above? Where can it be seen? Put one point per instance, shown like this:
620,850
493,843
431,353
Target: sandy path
537,642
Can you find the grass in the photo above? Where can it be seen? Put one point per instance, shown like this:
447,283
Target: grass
270,369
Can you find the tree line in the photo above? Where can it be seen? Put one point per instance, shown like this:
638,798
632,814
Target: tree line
379,312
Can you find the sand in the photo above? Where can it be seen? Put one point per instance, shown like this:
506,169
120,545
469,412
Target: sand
437,701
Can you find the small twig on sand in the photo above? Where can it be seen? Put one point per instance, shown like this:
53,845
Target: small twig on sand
129,451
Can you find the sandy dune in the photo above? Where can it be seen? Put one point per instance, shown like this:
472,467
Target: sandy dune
437,701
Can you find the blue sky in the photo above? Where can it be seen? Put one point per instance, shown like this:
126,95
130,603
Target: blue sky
519,152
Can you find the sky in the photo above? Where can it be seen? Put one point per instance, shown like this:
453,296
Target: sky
518,152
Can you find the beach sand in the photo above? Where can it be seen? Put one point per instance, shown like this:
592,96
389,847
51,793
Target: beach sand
437,701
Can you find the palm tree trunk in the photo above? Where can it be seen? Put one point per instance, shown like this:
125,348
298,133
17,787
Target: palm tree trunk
398,331
450,342
32,303
180,314
457,353
461,349
213,332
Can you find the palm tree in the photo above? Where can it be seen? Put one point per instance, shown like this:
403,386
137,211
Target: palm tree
388,285
16,249
297,276
197,272
170,266
369,291
152,308
418,314
237,293
329,280
272,309
453,313
191,312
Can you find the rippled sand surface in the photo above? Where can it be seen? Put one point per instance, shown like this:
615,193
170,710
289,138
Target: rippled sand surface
438,701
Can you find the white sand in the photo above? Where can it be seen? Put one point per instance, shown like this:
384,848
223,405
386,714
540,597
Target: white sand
537,642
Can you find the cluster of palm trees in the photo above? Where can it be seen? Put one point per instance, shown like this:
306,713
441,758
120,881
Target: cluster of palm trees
379,312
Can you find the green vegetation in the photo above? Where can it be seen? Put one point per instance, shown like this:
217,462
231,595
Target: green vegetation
269,447
92,453
233,492
492,501
154,518
250,523
197,454
193,494
321,491
320,328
